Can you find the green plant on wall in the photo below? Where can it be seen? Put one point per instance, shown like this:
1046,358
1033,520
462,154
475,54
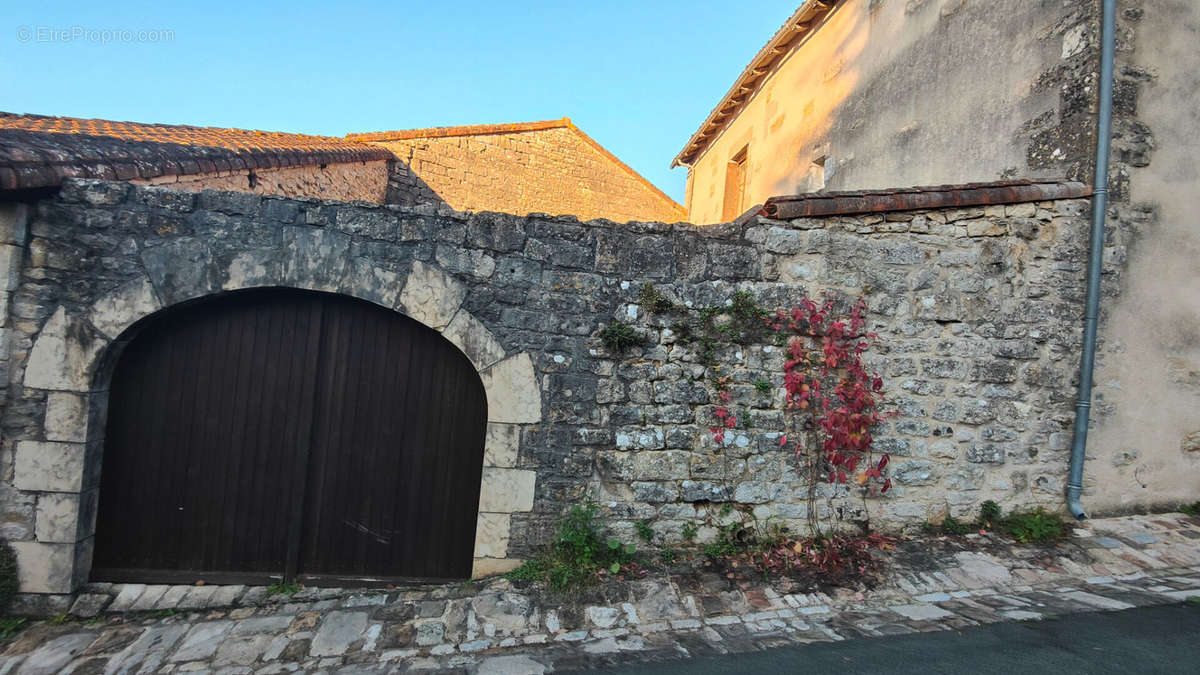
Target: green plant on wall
1029,527
709,329
652,301
644,531
618,337
282,587
1034,526
579,554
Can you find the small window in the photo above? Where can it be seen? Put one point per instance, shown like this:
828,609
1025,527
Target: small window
735,186
817,173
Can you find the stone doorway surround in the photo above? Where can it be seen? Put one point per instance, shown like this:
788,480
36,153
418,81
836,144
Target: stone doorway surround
73,354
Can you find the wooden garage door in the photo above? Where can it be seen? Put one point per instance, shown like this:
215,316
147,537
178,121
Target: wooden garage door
289,432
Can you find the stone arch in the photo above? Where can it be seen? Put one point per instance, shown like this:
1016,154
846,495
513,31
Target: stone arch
72,357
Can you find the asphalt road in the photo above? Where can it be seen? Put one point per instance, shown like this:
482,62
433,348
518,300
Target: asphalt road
1144,640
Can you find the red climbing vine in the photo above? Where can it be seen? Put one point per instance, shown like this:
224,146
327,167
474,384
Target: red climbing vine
827,384
725,418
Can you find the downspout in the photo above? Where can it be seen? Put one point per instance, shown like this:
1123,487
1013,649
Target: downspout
1087,361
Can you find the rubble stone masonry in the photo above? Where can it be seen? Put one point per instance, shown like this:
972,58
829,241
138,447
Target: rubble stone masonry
364,181
977,310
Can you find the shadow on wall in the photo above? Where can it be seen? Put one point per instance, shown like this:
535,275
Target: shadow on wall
406,188
918,80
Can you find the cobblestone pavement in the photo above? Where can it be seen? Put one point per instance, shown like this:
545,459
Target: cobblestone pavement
492,627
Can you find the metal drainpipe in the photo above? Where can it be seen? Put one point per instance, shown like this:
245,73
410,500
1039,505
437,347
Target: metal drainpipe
1087,361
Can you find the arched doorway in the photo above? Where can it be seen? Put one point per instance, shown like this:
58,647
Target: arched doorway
285,431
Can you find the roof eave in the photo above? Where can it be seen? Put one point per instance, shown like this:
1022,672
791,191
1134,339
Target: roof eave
801,23
465,130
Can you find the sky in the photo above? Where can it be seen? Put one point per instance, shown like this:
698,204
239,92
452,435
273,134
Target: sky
639,77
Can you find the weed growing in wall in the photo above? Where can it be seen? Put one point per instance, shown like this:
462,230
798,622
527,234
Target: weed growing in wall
581,554
1030,527
618,337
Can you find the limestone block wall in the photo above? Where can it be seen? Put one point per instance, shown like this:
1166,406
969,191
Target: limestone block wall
16,506
365,181
977,310
555,170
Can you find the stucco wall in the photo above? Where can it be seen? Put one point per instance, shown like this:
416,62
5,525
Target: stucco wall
1146,446
947,91
366,181
553,171
977,311
896,93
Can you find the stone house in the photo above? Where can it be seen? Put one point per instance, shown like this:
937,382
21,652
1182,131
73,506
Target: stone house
862,94
533,167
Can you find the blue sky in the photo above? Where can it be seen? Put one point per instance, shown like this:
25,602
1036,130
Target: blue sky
639,77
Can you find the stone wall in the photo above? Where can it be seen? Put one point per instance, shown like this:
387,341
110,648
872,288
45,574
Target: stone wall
554,170
364,181
16,507
977,311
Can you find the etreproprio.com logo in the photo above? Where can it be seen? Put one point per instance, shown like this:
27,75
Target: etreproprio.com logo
93,35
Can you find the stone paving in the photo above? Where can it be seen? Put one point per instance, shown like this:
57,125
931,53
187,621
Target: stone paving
493,627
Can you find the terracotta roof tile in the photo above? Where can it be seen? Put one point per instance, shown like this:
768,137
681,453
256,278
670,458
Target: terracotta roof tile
465,130
814,204
39,151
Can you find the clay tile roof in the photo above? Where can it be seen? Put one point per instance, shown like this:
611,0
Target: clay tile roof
907,199
467,130
799,25
39,151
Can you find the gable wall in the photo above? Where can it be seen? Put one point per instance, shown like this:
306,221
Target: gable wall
551,171
900,93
